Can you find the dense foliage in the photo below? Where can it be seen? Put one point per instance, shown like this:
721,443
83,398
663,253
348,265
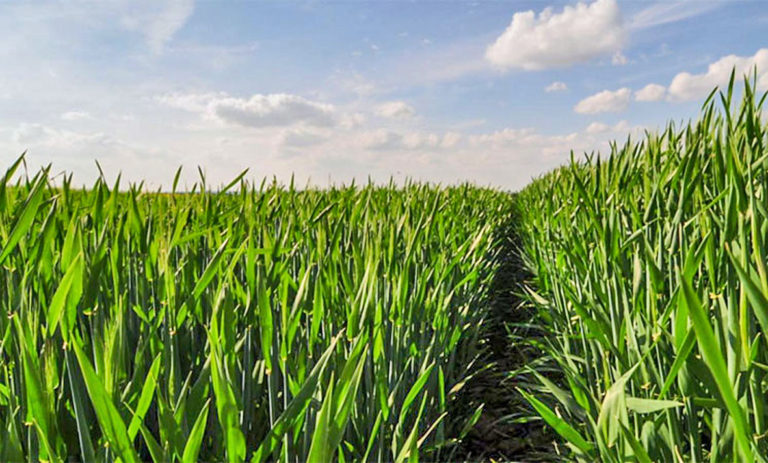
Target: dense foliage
650,267
254,323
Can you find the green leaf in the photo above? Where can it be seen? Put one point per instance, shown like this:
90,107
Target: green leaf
155,451
78,400
680,359
413,393
195,439
345,396
60,297
26,217
640,453
210,270
145,398
112,425
613,410
558,424
265,324
756,297
322,448
641,405
36,397
234,182
710,350
295,407
226,405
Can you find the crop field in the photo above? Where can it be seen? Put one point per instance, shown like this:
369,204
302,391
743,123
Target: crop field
260,324
650,277
270,323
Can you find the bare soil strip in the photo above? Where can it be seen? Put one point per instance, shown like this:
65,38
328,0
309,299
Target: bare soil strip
503,433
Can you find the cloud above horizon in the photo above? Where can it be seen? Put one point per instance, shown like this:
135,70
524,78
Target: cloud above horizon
556,87
607,101
577,34
395,110
145,86
271,110
686,86
651,92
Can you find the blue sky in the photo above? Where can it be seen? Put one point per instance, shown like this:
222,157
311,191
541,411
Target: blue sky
494,92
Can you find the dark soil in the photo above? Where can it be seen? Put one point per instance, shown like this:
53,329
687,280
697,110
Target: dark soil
504,431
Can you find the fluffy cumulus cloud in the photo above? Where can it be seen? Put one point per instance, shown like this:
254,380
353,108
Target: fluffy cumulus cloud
395,110
547,40
556,87
686,86
604,102
271,110
651,92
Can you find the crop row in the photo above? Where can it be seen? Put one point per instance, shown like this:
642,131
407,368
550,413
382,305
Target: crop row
650,272
257,323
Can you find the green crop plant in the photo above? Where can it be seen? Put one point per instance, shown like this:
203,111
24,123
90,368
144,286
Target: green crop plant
253,323
650,275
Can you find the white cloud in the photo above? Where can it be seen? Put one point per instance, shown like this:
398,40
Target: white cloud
651,92
620,128
158,20
506,158
417,140
41,135
595,136
670,12
302,137
605,101
539,152
395,110
279,136
75,115
195,102
352,120
451,139
390,140
384,139
381,139
577,34
686,86
597,127
618,59
556,87
271,110
147,138
510,136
